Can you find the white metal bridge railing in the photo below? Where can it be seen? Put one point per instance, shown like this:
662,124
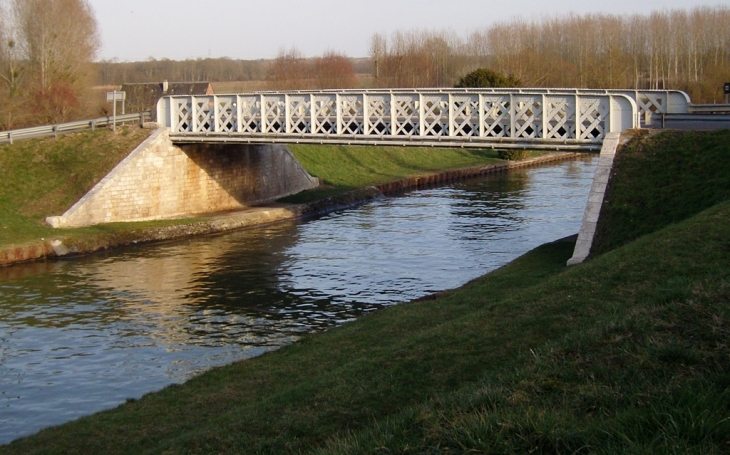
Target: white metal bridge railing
649,101
477,118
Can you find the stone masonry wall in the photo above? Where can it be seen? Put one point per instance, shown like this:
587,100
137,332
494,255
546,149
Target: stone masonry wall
159,180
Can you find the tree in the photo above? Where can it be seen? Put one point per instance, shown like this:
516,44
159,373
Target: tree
378,50
483,77
290,71
333,70
59,40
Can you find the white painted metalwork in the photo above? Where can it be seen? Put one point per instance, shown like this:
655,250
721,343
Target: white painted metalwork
647,101
478,118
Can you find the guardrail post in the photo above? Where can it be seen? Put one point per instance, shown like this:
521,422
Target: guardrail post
55,131
10,138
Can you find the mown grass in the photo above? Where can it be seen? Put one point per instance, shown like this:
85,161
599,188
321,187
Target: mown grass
627,353
663,179
44,177
345,168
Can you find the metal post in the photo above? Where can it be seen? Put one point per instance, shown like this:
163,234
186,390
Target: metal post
114,111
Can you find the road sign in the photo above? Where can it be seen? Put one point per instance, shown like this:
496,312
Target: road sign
115,96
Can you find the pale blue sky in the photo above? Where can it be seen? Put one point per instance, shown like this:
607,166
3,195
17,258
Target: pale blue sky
134,30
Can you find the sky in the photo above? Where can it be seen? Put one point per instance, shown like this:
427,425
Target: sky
136,30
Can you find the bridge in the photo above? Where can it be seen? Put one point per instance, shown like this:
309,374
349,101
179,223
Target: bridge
226,152
548,119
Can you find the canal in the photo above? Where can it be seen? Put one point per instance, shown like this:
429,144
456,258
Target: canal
85,334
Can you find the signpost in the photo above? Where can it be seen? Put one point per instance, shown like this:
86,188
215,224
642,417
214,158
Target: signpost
727,91
113,97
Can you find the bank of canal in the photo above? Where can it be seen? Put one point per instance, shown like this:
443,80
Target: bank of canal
119,324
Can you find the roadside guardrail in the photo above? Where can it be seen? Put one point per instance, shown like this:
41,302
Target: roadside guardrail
8,137
709,109
691,121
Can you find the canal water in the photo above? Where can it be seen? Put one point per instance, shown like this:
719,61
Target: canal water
85,334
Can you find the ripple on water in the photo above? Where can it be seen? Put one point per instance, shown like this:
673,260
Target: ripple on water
82,335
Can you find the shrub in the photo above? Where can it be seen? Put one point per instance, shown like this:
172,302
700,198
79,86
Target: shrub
513,155
483,77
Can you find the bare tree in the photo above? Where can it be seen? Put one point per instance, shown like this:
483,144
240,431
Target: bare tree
289,71
333,70
11,62
59,39
378,51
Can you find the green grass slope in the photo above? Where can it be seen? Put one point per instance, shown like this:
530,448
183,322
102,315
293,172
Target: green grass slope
662,179
44,177
345,168
627,353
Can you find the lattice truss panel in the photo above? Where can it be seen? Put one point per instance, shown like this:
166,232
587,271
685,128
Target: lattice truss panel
496,116
378,115
464,115
405,115
225,114
435,116
352,116
527,116
651,103
182,115
249,114
325,114
203,113
592,117
559,118
299,114
273,113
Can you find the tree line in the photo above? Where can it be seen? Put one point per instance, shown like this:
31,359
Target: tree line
680,49
47,51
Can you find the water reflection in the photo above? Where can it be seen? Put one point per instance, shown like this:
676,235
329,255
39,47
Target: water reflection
120,324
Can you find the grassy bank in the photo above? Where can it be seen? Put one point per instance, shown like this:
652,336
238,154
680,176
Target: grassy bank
626,353
45,177
345,168
662,179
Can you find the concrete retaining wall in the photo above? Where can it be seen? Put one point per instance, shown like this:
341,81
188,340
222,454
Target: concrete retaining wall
159,180
595,199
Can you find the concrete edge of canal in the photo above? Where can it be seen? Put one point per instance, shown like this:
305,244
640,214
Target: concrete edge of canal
253,216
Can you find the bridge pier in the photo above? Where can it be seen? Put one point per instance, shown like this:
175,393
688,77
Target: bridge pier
160,180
